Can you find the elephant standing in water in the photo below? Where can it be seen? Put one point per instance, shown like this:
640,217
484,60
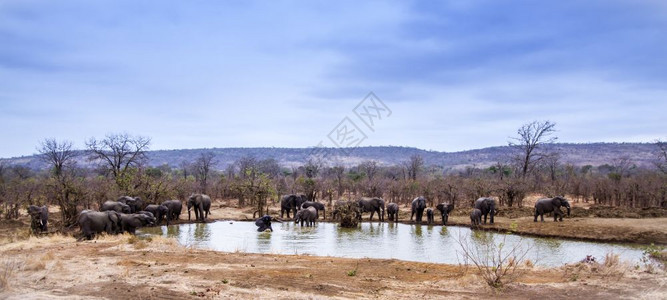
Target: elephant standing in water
264,223
39,217
392,212
308,215
445,209
548,205
486,206
476,217
291,203
316,205
418,207
174,207
201,204
372,205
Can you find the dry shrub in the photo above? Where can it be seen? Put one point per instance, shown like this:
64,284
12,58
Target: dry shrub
498,264
612,267
137,242
7,268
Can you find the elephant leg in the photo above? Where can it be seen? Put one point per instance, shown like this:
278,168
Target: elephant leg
542,217
536,214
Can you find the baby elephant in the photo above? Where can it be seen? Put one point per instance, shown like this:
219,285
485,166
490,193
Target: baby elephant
429,215
308,215
392,212
476,217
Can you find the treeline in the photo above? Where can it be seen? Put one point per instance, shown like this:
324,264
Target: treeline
121,170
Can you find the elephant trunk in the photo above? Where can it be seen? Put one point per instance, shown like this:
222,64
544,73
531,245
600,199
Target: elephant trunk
568,210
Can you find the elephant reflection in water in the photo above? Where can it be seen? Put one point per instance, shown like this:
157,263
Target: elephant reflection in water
375,229
418,230
201,232
444,231
173,231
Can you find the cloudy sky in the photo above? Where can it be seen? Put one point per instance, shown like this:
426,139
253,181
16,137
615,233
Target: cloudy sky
455,76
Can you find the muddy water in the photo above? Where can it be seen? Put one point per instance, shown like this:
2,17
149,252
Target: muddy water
421,243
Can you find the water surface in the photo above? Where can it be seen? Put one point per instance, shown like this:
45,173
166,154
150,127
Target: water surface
438,244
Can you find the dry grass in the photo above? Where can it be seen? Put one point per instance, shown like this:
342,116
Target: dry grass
8,267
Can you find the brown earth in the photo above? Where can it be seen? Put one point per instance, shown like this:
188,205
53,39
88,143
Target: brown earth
124,267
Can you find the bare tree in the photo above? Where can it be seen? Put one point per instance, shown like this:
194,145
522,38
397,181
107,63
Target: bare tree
370,168
64,187
202,168
414,166
530,137
661,161
58,155
119,152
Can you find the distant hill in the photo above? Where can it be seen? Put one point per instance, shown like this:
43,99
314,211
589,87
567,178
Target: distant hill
594,154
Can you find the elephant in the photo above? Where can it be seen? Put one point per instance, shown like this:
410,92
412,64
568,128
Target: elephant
201,204
445,209
135,204
392,212
116,206
159,211
130,222
39,218
487,206
475,217
94,222
429,216
372,205
548,205
147,213
307,215
418,207
264,223
316,205
345,203
291,203
174,209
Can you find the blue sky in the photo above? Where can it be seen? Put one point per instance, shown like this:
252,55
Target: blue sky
456,75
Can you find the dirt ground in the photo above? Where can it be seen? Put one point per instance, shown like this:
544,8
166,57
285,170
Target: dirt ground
124,267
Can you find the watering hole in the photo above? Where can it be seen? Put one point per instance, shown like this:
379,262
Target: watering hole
422,243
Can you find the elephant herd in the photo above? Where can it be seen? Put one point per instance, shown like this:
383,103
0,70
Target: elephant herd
307,212
126,214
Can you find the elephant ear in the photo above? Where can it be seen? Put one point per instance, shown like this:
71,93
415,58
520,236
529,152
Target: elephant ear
556,201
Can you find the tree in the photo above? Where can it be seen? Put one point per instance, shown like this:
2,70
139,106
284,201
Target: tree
202,168
414,166
63,186
58,155
118,153
530,137
661,161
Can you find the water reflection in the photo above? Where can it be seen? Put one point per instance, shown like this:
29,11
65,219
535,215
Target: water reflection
384,240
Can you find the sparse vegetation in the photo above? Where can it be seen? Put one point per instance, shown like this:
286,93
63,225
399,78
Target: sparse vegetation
498,264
